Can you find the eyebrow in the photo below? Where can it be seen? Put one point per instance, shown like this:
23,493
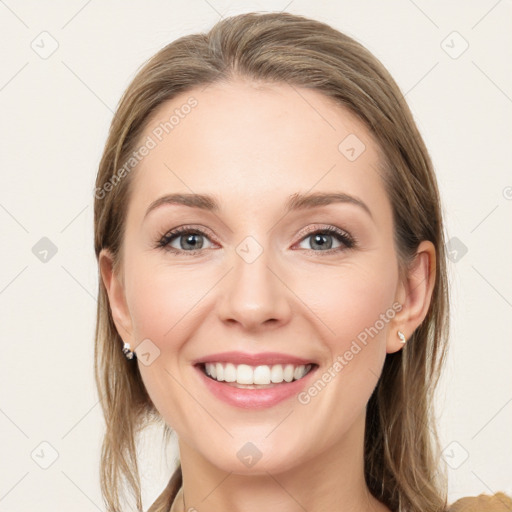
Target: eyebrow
294,202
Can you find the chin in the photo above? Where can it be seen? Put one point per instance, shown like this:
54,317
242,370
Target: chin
247,458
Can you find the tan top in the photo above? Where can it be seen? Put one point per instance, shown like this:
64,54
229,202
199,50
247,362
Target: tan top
498,502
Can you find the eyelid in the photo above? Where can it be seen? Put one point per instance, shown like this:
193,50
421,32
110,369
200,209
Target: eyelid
324,227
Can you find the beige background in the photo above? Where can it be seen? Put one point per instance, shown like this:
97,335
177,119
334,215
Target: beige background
64,67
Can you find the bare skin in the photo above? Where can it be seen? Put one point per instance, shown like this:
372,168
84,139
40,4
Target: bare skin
252,147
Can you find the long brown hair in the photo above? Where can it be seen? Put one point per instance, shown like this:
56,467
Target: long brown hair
402,460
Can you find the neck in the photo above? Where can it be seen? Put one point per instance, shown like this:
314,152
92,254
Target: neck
332,480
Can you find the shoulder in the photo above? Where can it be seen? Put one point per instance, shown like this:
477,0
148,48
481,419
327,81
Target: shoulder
498,502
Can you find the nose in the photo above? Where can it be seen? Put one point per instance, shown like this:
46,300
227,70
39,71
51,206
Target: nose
254,295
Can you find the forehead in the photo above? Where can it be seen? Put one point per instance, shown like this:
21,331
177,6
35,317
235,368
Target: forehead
243,140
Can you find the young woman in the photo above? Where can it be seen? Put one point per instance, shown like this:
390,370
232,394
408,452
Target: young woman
273,280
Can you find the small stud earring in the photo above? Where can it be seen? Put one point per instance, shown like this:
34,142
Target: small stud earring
401,335
128,352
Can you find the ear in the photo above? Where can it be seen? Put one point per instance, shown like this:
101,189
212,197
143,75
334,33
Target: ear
116,296
414,295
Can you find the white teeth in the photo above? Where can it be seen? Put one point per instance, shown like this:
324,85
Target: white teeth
244,374
229,372
220,372
298,372
288,373
276,374
263,374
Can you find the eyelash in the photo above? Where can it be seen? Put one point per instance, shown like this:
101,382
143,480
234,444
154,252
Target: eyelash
342,236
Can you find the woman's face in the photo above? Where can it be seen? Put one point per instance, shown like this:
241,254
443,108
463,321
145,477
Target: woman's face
256,279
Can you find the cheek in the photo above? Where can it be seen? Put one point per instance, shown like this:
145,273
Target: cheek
161,300
162,303
356,307
351,300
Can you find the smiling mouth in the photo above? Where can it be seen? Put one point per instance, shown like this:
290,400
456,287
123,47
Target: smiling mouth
255,377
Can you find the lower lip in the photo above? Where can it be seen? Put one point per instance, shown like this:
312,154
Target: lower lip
255,398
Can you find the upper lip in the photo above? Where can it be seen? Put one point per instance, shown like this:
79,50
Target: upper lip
262,358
